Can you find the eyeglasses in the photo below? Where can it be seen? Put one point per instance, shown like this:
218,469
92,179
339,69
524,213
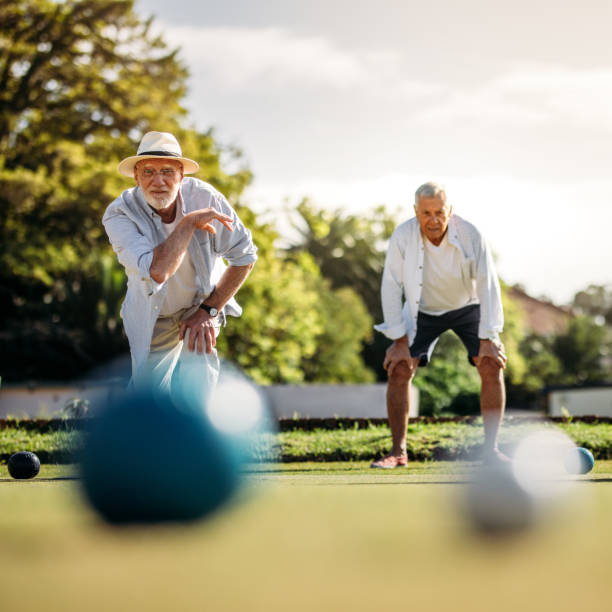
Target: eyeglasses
164,172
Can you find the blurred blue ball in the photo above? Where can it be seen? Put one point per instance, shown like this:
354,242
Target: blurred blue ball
579,461
147,461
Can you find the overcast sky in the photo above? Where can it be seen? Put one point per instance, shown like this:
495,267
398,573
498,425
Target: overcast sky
354,104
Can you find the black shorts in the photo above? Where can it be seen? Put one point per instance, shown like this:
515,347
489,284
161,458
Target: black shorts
464,322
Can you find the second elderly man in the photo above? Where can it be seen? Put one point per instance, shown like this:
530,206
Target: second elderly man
439,275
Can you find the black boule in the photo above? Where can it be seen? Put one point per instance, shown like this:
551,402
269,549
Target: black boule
23,464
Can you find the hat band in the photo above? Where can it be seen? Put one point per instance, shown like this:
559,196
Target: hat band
164,153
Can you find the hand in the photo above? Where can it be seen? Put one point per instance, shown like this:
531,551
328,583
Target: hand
201,330
201,220
397,352
490,349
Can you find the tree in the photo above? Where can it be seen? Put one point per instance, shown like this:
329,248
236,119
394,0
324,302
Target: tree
295,328
595,301
350,252
582,351
81,72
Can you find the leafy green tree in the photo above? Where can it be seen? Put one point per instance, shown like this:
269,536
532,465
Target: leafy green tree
290,330
350,251
595,301
582,351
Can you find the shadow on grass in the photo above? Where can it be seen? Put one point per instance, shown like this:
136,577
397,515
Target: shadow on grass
52,479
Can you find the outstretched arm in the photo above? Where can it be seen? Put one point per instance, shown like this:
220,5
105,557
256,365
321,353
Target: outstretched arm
167,256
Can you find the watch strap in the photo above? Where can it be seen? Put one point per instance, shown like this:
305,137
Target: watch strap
209,309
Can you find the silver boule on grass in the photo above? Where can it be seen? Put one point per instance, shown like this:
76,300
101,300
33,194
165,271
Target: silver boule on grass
508,498
495,504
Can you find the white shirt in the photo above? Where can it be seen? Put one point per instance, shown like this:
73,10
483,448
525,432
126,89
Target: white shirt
443,286
134,230
182,286
403,278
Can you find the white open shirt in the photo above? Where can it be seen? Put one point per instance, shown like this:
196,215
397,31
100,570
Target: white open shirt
134,230
403,278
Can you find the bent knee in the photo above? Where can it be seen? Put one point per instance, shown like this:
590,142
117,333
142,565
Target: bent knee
402,373
489,369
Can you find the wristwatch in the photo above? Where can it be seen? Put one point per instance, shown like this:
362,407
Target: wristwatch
211,310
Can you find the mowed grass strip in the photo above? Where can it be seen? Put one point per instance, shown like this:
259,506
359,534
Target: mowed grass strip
426,442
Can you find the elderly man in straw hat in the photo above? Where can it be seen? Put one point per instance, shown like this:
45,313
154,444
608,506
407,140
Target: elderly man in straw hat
171,234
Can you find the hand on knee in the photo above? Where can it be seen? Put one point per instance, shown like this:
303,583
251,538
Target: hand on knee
488,368
403,371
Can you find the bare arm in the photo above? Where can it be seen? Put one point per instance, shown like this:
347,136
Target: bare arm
228,285
200,323
167,256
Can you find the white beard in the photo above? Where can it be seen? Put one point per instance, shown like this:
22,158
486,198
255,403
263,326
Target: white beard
161,201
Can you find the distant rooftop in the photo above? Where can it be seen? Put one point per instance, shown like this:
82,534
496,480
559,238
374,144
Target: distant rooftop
541,316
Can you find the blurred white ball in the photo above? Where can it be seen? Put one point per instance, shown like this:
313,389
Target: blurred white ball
539,464
495,503
236,407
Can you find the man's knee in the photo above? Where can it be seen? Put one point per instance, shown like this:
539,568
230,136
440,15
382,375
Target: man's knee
403,372
489,370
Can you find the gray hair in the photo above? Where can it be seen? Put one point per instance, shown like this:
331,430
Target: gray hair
430,190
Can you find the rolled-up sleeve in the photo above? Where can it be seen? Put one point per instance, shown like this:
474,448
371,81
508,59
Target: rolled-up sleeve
392,291
134,250
236,246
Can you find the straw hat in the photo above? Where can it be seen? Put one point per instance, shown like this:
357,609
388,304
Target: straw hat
157,145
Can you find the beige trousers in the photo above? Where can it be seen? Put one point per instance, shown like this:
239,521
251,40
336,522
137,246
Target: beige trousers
173,369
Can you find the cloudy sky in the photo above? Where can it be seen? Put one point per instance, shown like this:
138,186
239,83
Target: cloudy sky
354,104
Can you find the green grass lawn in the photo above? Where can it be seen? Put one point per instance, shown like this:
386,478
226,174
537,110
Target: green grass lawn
305,536
426,441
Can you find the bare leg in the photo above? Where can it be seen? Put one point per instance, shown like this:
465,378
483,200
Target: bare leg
492,401
398,404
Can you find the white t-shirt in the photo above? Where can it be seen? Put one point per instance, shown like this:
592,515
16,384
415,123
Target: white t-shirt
182,286
443,285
